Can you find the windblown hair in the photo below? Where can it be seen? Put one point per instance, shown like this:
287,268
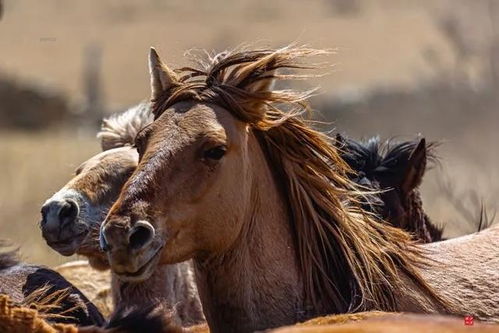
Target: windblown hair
371,154
120,129
389,160
350,261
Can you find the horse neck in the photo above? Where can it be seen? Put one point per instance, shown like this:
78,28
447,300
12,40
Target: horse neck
171,285
256,284
419,222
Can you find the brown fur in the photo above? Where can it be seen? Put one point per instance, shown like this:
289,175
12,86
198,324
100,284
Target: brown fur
383,322
95,284
227,177
41,288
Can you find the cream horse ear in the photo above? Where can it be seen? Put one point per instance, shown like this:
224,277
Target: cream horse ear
162,78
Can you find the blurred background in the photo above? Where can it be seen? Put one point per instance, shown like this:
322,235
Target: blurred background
402,68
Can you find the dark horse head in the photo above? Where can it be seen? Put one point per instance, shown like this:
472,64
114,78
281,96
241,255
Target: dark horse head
46,290
396,169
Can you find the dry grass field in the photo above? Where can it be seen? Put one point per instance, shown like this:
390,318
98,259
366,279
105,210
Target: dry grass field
398,45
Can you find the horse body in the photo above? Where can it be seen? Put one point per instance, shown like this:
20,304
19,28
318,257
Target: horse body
95,284
276,234
466,273
72,216
386,322
59,300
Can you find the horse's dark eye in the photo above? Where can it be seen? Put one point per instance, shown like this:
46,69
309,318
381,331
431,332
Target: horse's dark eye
215,153
392,163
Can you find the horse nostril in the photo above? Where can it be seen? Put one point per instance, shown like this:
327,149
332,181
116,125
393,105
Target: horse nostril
68,212
57,214
141,235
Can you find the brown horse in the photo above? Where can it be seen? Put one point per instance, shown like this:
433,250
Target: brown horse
42,288
71,220
395,170
230,179
386,322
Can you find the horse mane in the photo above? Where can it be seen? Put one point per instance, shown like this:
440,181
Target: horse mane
373,153
370,157
120,129
349,259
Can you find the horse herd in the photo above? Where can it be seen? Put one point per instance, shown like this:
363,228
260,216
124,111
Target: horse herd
218,208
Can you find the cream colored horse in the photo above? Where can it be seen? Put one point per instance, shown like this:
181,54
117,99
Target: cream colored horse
72,216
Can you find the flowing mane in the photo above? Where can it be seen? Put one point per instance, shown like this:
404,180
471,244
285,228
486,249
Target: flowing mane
348,258
120,129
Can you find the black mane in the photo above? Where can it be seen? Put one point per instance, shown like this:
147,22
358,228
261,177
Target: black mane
383,167
372,155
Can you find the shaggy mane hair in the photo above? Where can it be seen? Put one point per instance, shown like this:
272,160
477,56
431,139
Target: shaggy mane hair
373,153
350,261
120,129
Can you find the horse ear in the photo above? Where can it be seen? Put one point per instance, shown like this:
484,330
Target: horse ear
162,78
415,168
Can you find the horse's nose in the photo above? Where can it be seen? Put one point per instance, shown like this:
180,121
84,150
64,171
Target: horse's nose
56,214
141,235
120,237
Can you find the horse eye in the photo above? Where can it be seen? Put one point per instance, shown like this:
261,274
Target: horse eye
392,163
215,153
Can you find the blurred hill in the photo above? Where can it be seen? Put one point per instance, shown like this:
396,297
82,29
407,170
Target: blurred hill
376,41
29,106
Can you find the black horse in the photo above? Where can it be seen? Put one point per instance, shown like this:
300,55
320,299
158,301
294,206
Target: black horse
395,170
